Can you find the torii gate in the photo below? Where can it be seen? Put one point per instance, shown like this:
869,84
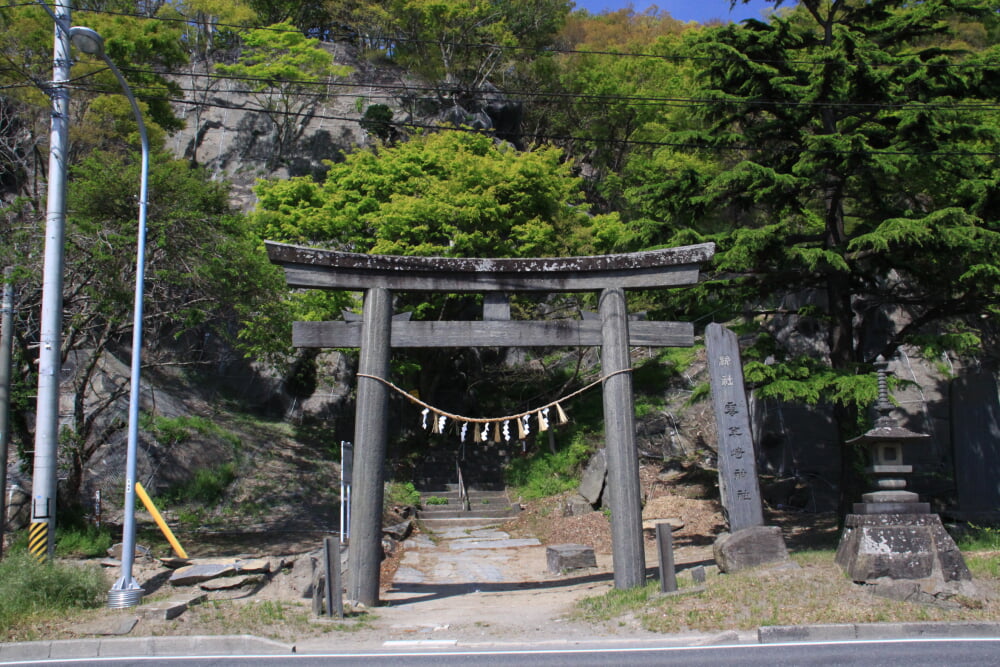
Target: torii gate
378,332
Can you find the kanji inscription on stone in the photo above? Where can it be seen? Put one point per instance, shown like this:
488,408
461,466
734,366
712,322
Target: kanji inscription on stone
737,462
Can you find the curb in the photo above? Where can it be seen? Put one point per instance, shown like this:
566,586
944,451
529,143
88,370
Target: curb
775,634
143,646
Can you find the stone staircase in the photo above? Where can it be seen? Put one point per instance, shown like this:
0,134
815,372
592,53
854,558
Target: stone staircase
442,506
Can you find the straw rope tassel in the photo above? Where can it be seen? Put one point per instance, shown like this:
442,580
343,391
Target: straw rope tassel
563,419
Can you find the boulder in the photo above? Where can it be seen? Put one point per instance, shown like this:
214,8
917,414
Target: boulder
592,482
577,505
750,547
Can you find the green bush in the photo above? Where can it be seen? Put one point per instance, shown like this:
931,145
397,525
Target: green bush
208,486
86,542
436,500
401,493
172,430
546,474
31,589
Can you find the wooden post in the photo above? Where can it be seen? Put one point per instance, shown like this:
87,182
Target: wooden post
619,434
370,435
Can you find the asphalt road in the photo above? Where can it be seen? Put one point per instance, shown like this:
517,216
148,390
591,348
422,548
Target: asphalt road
903,653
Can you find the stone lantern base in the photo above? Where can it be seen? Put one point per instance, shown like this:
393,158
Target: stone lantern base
884,549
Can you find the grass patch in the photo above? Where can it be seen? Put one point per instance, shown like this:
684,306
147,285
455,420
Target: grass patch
436,500
274,619
401,493
83,542
172,430
34,593
545,474
816,592
207,487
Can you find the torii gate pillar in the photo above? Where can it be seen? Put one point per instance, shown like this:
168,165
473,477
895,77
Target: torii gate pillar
619,435
370,435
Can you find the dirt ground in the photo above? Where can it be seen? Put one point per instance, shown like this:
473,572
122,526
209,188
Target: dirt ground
516,599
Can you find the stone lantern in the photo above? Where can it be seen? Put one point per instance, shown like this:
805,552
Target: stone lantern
892,542
885,443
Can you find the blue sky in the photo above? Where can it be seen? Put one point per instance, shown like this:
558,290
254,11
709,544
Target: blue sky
685,10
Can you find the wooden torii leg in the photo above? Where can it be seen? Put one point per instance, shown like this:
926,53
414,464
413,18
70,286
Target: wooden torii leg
370,436
619,434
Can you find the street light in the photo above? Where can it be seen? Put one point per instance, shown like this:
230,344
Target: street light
126,592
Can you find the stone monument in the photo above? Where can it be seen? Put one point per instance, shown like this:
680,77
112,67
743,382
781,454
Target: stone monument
892,541
749,543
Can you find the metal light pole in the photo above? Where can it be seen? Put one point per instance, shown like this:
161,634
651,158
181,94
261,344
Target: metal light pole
41,535
126,592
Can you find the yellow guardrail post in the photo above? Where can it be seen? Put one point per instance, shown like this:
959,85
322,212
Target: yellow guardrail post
164,528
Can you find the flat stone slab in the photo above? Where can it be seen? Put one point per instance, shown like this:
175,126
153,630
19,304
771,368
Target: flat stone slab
170,608
228,583
562,557
195,574
108,627
472,543
675,523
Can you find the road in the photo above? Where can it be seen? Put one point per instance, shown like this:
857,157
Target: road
908,653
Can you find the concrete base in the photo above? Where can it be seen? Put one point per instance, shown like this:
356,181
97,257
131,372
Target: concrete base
913,547
750,547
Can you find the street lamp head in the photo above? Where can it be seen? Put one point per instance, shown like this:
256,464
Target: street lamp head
87,40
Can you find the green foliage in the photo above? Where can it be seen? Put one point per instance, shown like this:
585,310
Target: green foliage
207,487
402,494
543,473
813,179
82,542
436,500
174,430
377,121
31,590
462,44
448,194
283,69
980,538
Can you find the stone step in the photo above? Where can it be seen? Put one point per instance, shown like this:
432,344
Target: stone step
468,523
455,511
475,495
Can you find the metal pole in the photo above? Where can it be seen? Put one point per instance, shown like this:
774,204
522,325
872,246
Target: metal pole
43,485
126,591
6,342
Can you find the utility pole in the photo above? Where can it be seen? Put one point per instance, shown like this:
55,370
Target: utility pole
6,341
41,535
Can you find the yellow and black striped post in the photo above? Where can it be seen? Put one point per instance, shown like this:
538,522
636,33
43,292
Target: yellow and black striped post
38,540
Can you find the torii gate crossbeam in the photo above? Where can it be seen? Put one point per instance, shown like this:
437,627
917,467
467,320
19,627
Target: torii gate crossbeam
377,334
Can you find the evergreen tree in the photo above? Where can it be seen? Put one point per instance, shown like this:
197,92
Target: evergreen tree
852,158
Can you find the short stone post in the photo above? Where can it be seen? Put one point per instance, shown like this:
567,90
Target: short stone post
665,545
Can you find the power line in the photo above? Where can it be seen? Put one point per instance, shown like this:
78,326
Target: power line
548,49
402,90
625,142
